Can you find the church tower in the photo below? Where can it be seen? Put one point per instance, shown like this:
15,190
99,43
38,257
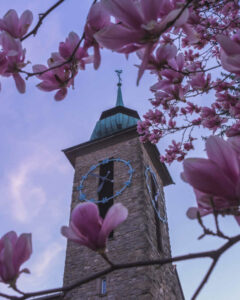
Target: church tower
114,166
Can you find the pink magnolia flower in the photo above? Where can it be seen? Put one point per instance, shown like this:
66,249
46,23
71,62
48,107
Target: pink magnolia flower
163,54
66,50
215,179
15,26
234,130
14,251
200,81
57,79
139,23
15,55
87,228
230,54
96,20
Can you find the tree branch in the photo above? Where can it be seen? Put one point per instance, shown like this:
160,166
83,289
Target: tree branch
42,16
205,279
8,296
214,254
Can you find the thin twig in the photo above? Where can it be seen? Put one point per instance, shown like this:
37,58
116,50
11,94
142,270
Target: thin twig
41,18
29,74
205,279
8,296
105,257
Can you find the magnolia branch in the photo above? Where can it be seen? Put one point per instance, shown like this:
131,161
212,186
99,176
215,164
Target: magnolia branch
70,59
30,74
42,16
214,255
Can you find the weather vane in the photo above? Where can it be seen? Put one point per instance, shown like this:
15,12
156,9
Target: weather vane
119,76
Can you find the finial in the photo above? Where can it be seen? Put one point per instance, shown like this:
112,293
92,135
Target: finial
119,77
119,94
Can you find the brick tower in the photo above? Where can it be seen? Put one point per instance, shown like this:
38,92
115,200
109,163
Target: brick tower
115,167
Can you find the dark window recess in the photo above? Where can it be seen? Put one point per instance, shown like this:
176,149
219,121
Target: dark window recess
105,188
157,221
104,286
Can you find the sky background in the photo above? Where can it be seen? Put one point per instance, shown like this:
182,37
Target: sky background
36,178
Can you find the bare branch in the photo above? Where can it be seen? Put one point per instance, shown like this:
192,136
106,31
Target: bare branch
214,254
41,18
205,279
8,296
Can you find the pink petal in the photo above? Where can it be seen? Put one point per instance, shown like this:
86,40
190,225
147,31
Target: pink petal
191,34
47,86
126,11
11,22
10,45
192,213
147,53
115,36
230,47
98,16
12,236
151,9
39,68
166,52
206,176
25,22
222,153
97,57
235,142
85,217
115,216
230,63
20,83
237,218
173,14
8,271
61,94
22,250
73,39
69,233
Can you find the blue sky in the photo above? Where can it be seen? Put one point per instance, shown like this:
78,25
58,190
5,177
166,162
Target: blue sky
36,178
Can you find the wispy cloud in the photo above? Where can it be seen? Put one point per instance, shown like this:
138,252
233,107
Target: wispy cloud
47,259
25,196
24,186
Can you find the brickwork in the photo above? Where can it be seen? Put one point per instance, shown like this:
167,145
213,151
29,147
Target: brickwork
134,240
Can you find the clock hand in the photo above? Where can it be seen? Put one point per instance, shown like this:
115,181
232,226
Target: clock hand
104,178
100,186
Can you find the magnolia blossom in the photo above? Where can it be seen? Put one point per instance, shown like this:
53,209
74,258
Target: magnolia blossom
14,251
216,180
87,228
139,23
67,48
234,130
58,79
14,59
97,19
163,54
62,77
15,26
230,53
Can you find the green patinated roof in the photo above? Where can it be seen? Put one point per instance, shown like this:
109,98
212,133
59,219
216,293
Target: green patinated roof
115,119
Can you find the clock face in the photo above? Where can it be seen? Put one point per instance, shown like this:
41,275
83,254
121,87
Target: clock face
97,184
155,193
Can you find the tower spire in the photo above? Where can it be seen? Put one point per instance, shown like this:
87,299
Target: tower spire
119,93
